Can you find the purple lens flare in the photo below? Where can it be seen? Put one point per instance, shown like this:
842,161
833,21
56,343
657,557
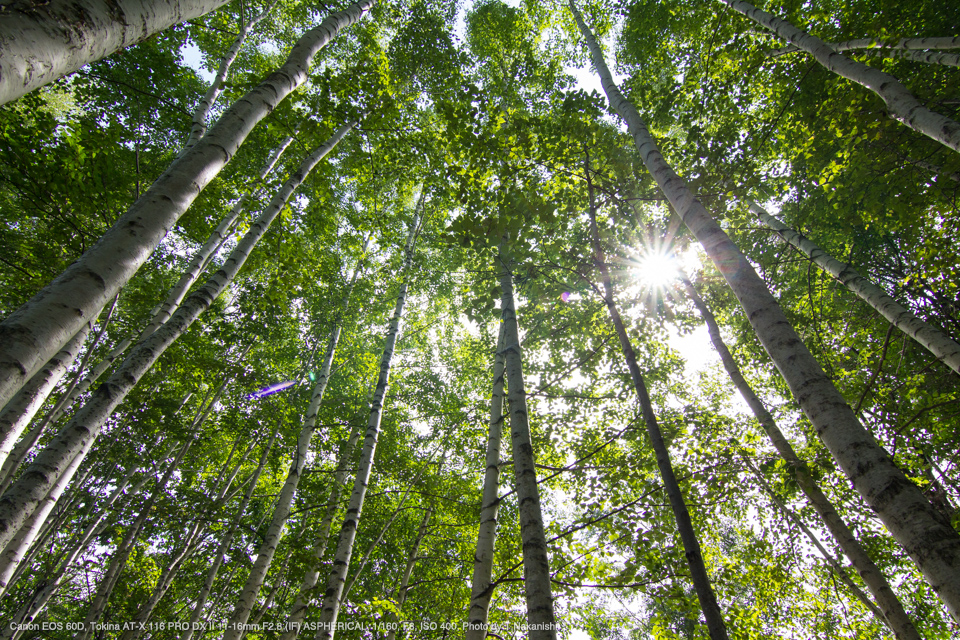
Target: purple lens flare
274,388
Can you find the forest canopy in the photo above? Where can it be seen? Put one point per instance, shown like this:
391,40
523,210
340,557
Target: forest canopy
502,319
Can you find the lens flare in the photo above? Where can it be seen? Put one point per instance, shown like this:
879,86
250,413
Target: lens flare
658,269
565,296
272,389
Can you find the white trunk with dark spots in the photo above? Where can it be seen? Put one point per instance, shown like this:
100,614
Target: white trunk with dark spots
332,597
39,328
916,524
932,339
917,44
901,104
24,495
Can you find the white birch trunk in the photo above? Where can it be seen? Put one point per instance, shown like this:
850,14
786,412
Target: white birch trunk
206,253
908,515
307,593
42,42
917,44
932,339
901,104
332,597
481,591
412,558
927,57
284,504
21,499
202,113
225,543
536,563
20,410
891,610
36,331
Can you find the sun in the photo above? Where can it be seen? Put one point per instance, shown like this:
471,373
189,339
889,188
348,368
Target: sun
658,270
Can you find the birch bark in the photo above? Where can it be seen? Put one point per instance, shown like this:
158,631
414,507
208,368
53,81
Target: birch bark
872,43
932,339
42,42
901,104
688,535
412,558
32,334
281,512
536,563
481,591
21,499
890,608
330,607
20,410
908,515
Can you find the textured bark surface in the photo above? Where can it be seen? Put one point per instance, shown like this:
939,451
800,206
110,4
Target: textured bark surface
891,610
872,43
281,512
481,591
917,525
40,42
36,331
931,338
536,563
21,499
24,406
332,596
688,535
901,104
412,557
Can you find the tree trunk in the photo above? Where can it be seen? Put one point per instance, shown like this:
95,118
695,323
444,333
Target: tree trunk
893,613
932,339
928,57
482,587
202,112
536,564
281,512
908,515
412,558
31,335
42,42
688,535
36,481
307,592
901,104
873,43
206,253
330,607
20,410
224,547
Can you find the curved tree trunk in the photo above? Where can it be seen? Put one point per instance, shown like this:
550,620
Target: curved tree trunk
332,597
893,613
20,410
284,504
688,535
916,524
932,339
42,42
39,328
536,563
21,499
901,104
481,591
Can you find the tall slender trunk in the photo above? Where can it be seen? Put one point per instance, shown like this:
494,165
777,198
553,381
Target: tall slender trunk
40,43
330,608
928,57
202,113
536,563
22,497
872,43
225,543
481,591
901,104
206,253
308,587
412,556
893,613
834,563
20,410
934,340
281,512
688,535
916,524
32,334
